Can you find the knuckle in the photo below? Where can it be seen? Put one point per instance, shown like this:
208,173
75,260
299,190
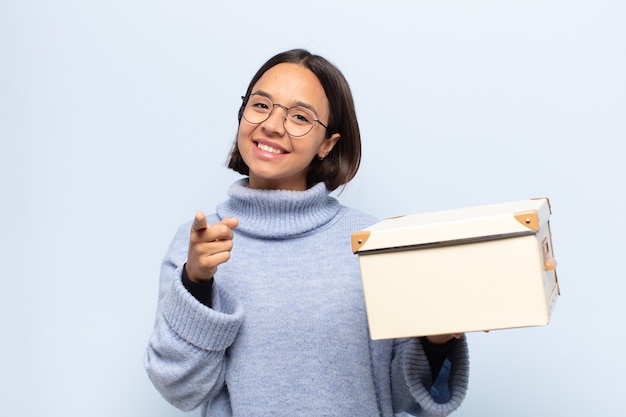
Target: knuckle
219,231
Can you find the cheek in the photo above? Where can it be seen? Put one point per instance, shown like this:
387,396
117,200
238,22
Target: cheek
243,134
319,144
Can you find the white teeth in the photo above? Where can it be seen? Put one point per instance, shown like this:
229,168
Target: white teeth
268,148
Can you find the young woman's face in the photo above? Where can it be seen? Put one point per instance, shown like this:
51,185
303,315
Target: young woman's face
277,160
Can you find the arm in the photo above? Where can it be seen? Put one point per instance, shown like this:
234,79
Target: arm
202,291
185,355
413,388
437,352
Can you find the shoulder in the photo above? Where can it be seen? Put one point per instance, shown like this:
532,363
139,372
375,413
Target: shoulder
357,219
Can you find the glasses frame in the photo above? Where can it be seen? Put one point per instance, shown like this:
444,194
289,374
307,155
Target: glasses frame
274,105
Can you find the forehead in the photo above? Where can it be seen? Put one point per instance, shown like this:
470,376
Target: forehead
289,83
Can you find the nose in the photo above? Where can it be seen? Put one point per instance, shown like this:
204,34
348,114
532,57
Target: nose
276,120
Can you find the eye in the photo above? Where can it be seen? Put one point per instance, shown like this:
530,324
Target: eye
301,116
260,104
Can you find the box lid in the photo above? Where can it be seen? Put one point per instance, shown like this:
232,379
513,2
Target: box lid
450,227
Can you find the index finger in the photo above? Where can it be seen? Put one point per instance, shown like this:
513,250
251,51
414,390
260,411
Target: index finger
199,222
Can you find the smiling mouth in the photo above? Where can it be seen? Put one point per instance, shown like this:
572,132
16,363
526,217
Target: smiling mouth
269,149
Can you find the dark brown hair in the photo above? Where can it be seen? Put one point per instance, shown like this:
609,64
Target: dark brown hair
342,163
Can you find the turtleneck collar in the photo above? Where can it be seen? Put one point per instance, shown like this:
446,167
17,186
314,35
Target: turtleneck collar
276,214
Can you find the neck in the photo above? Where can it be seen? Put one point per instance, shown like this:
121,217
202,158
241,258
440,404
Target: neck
297,184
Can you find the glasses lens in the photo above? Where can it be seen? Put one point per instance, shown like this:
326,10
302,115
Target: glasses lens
257,109
299,121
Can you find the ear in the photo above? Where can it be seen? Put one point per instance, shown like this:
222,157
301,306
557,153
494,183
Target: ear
328,145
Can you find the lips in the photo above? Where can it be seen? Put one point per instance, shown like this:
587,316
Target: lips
267,148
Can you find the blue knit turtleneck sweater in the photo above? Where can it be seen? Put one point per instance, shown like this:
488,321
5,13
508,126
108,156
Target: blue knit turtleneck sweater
287,332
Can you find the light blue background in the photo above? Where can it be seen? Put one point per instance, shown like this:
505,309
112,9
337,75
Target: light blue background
116,118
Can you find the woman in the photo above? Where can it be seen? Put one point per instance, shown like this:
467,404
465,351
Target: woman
261,309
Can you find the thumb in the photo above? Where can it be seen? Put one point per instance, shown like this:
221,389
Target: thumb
231,222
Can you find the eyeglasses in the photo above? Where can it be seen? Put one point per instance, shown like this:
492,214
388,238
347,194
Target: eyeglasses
297,120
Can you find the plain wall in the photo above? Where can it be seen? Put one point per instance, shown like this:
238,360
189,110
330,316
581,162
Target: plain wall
116,118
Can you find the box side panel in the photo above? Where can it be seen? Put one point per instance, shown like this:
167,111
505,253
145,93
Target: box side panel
551,284
480,286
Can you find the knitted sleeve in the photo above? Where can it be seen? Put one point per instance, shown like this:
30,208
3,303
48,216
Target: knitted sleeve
414,390
185,355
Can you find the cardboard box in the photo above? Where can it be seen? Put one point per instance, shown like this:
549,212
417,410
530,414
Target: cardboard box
472,269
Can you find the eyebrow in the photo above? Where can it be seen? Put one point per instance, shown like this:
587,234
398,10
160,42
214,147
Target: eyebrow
297,104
